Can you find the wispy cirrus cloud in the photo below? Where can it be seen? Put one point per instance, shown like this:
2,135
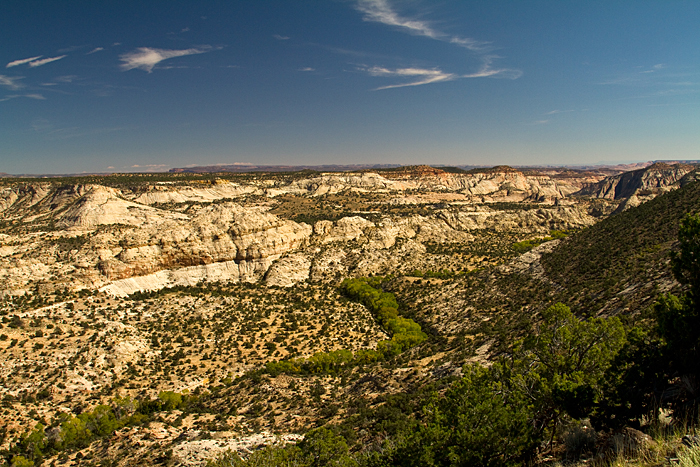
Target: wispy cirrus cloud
655,68
66,79
145,58
281,38
95,50
44,61
487,70
419,76
22,61
657,81
55,131
38,97
11,82
150,167
380,11
415,76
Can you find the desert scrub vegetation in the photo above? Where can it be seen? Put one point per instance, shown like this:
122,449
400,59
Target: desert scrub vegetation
502,415
69,433
598,374
442,274
185,337
405,333
320,447
527,245
626,250
372,206
486,243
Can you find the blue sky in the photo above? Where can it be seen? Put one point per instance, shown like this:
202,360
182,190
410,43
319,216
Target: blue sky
141,86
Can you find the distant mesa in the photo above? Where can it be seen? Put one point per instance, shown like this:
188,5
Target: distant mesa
557,171
493,170
418,171
436,170
280,168
415,170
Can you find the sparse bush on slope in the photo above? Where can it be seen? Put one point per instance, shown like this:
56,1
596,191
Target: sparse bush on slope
405,333
629,250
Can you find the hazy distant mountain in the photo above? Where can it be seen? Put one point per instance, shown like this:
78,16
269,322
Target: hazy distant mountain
280,168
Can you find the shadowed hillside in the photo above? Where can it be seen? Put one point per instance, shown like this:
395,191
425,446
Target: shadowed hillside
622,263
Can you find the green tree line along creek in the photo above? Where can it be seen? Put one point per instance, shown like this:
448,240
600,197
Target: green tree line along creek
405,333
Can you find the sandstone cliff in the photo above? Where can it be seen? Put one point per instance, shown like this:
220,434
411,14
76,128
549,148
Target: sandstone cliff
654,179
149,236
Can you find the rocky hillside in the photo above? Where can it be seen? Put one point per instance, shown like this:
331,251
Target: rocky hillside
618,266
140,236
640,185
163,297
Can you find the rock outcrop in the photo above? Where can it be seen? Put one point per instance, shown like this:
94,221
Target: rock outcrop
218,233
99,205
200,193
498,184
153,235
288,271
651,180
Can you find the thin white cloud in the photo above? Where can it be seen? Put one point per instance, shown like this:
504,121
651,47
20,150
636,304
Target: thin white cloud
22,61
95,50
471,44
487,70
151,167
145,58
174,67
281,38
66,78
53,131
655,68
554,112
417,76
37,63
70,49
11,82
38,97
656,81
380,11
308,68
